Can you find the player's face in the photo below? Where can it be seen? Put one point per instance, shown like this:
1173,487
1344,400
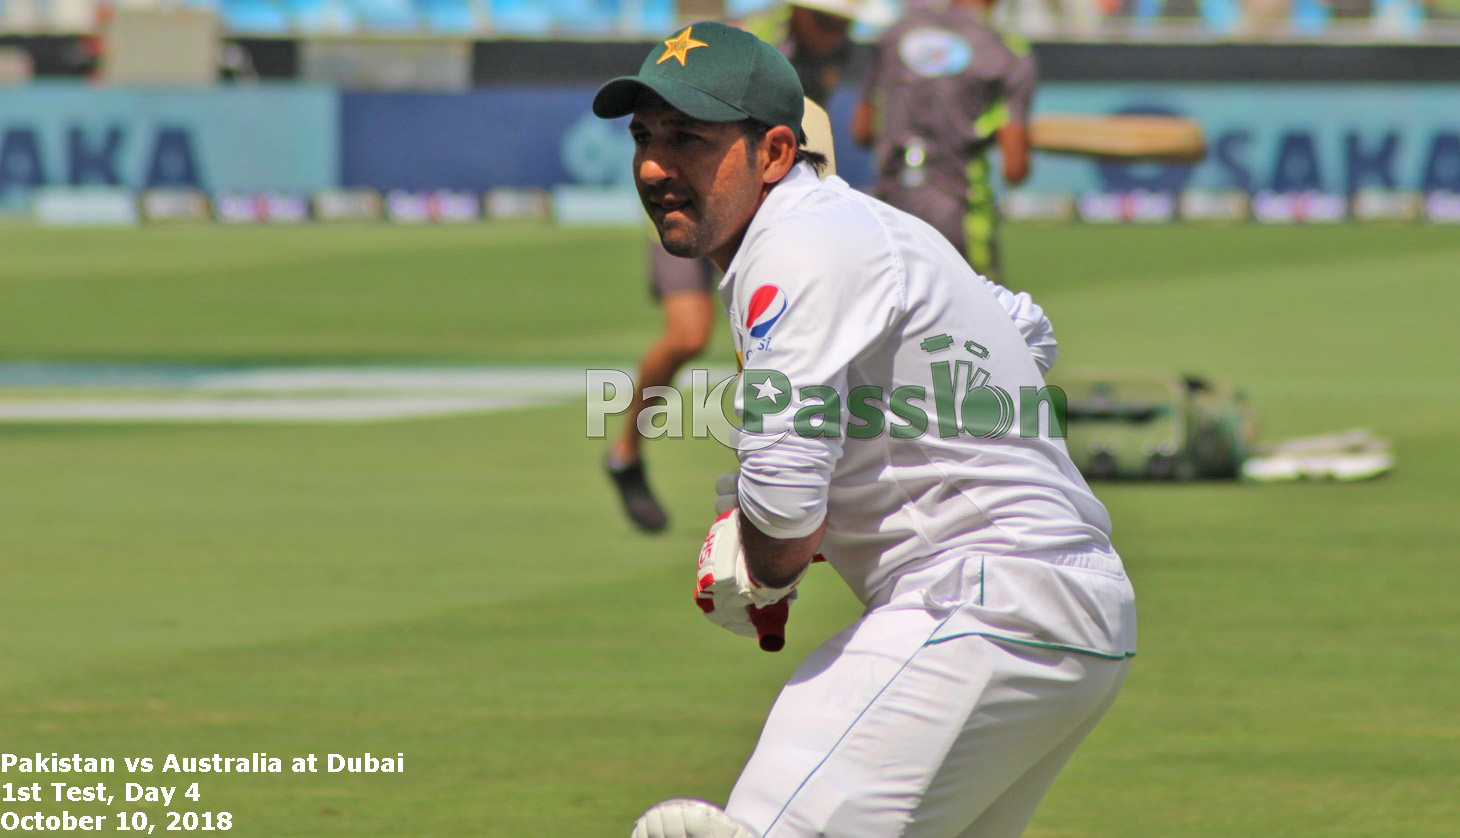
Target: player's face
699,181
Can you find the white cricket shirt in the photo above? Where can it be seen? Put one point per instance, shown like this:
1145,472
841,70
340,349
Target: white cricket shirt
833,289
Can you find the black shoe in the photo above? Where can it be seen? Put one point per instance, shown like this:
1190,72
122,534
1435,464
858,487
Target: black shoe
639,503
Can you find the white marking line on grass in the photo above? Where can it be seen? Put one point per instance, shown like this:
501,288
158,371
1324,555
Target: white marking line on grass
259,410
549,380
340,394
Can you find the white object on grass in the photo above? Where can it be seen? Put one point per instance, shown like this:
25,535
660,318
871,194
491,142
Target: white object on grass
686,818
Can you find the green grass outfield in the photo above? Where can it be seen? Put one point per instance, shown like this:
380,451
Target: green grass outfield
463,590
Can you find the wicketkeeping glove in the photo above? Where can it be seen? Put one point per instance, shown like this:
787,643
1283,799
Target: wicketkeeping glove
730,597
685,818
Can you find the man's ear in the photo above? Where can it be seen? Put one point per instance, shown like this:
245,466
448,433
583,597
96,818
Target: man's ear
777,153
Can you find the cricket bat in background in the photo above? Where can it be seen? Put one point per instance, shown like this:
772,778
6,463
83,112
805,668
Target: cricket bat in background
1165,139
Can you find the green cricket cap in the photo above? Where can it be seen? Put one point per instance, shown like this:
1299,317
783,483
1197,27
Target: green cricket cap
715,73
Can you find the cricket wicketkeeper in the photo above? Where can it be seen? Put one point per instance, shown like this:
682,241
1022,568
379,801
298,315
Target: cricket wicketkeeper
913,451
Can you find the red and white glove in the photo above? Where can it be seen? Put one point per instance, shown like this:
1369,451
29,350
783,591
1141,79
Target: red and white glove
730,597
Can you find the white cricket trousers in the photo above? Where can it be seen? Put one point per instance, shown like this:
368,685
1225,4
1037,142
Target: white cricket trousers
889,731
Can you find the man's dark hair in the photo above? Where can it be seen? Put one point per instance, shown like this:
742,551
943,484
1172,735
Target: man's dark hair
755,131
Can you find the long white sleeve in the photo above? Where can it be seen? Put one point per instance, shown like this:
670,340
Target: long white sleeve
1033,325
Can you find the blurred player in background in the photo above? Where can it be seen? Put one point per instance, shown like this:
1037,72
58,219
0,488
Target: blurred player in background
943,89
812,35
999,619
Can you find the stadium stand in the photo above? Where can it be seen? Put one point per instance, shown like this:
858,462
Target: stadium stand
1157,21
321,16
451,17
255,17
521,17
17,15
386,15
71,15
588,16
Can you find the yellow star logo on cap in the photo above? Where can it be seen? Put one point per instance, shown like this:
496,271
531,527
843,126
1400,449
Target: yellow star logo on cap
679,47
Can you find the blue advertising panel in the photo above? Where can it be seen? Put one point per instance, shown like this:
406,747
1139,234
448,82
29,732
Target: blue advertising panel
282,137
1327,138
1284,138
535,136
508,136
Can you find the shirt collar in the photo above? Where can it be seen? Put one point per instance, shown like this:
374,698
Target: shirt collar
787,192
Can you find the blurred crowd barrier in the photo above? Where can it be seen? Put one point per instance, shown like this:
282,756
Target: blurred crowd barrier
1281,153
1078,20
